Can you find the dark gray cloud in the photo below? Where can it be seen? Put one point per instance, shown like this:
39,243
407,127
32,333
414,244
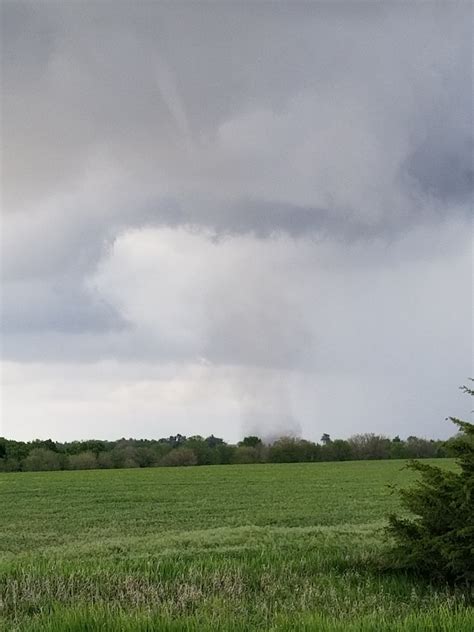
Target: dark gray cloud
140,84
55,305
443,167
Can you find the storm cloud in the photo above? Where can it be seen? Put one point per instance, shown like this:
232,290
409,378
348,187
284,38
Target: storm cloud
220,217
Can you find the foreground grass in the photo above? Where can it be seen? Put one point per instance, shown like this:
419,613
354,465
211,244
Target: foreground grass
265,547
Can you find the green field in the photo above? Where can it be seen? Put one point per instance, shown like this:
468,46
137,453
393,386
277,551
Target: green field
253,547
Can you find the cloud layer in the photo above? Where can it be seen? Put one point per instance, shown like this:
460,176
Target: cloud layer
267,203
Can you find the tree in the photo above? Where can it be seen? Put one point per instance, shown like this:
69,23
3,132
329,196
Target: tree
370,446
213,441
10,465
439,539
337,450
417,448
203,453
178,457
124,456
225,453
174,440
47,444
250,442
397,448
292,450
105,460
145,457
17,450
245,454
42,459
91,445
83,461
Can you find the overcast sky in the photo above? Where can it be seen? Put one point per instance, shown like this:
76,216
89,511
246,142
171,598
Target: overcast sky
235,218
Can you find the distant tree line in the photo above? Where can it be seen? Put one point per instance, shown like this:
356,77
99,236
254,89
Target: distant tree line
179,450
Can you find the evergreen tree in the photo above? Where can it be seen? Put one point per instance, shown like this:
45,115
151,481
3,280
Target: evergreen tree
439,539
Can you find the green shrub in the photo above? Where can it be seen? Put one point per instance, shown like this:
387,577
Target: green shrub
439,539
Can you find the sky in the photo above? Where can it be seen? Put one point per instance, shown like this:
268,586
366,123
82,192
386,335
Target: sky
235,218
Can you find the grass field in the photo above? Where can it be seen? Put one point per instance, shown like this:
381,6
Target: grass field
263,547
